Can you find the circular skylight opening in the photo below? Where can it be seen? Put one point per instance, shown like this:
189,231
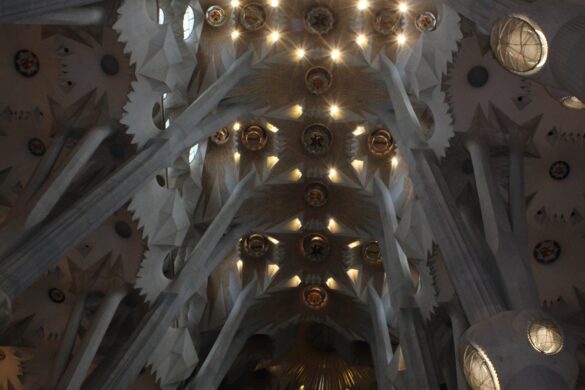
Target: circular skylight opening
519,45
188,22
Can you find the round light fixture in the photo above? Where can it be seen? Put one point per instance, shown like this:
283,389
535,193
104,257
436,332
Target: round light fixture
316,195
221,137
254,138
315,297
479,370
372,253
318,80
317,139
315,247
545,336
256,245
252,16
519,45
381,143
215,16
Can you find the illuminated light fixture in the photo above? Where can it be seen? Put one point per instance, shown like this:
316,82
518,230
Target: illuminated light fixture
358,165
335,55
235,3
271,161
333,175
272,270
296,174
237,126
401,39
272,128
297,110
295,224
363,4
359,131
394,162
403,7
355,244
331,283
333,226
334,110
240,265
295,281
300,53
235,34
353,274
361,40
274,3
274,36
237,157
273,240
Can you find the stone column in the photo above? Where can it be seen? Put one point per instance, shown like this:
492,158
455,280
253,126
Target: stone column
464,257
11,10
208,377
68,339
78,16
382,353
21,265
515,275
78,367
420,371
5,311
124,367
458,325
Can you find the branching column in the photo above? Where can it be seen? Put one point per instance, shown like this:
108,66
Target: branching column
382,348
515,274
122,369
420,371
210,375
79,365
11,10
464,257
22,264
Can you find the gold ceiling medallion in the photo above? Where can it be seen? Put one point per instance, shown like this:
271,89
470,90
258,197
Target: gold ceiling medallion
254,138
320,20
221,137
215,16
315,297
316,247
252,17
381,143
371,253
316,195
388,21
318,80
426,21
256,245
317,139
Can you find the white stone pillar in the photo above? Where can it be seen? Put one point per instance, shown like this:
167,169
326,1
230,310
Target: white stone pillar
78,16
21,265
382,353
465,260
125,365
516,276
77,370
420,370
208,377
68,340
12,10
